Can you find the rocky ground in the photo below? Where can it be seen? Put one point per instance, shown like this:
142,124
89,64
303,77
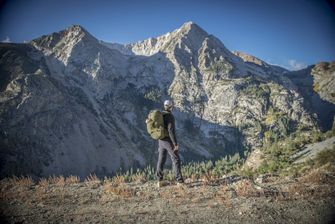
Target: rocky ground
232,199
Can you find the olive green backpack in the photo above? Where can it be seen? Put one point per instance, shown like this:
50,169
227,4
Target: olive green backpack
155,125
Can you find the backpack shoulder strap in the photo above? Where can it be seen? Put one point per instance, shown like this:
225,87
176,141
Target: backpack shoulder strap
165,112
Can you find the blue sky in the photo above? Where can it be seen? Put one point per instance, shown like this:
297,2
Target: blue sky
290,33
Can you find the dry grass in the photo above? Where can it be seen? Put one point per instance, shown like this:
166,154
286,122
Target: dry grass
6,184
58,181
166,194
119,191
245,188
6,189
106,198
44,183
144,195
24,182
318,176
181,192
16,188
92,178
317,182
326,156
194,195
139,178
41,191
299,190
92,181
118,180
194,177
107,187
223,196
208,178
177,194
72,180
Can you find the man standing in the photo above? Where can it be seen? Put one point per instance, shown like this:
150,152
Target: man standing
169,145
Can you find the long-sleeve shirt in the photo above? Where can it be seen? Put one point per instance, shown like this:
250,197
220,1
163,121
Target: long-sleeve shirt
169,124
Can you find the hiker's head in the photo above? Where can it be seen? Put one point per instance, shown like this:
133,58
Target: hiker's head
168,105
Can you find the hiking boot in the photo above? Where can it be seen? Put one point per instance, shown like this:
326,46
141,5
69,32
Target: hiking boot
160,184
180,183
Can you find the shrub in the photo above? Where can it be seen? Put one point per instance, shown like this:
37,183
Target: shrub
153,95
245,188
92,178
246,172
22,181
44,183
118,180
316,136
59,181
139,178
194,170
326,156
120,191
256,90
72,179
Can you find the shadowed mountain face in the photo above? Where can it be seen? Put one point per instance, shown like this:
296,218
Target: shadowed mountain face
71,104
317,85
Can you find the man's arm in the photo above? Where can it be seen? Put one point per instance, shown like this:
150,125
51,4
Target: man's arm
171,130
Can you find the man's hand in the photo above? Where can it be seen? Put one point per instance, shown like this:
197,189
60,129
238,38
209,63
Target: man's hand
176,148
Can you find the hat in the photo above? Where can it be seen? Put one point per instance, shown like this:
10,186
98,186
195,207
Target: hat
168,104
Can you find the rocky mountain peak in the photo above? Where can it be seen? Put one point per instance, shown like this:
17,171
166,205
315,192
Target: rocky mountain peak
69,36
76,28
78,31
189,34
72,42
191,27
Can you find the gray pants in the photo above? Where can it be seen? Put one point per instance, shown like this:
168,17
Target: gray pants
164,148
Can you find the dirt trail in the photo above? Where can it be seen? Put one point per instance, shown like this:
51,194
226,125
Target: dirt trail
234,199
